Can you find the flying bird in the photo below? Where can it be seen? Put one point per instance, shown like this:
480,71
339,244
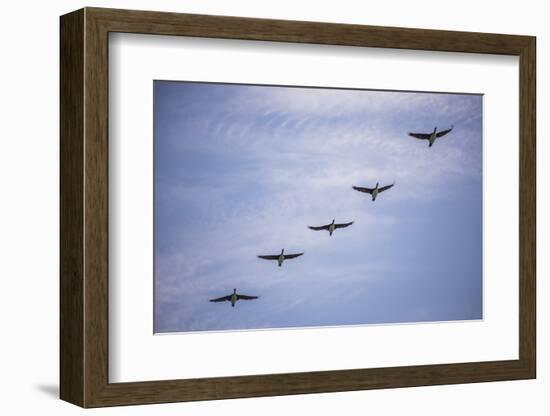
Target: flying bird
330,227
431,136
281,257
373,191
233,298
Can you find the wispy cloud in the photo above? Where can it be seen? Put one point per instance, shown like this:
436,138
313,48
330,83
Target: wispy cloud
242,170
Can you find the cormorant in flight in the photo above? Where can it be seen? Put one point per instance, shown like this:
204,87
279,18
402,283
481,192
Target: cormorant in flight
431,136
330,227
373,191
281,257
233,298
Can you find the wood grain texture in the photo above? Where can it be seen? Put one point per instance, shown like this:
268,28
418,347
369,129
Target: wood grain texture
84,207
96,208
71,158
528,207
162,23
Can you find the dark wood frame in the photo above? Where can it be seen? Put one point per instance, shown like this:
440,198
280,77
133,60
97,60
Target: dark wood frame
84,207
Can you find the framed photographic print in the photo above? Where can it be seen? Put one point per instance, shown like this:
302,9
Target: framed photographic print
255,207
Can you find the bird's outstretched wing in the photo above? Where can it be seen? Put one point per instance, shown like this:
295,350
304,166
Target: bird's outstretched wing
222,299
384,188
292,256
246,297
365,190
343,225
421,136
321,227
443,132
270,257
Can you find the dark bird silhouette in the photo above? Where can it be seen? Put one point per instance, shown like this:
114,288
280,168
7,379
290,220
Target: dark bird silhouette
330,227
281,257
431,136
373,191
233,298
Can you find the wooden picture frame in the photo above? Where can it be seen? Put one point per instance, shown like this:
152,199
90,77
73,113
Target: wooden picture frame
84,207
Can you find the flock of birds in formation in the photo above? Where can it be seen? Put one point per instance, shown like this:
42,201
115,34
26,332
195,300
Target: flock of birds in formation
281,257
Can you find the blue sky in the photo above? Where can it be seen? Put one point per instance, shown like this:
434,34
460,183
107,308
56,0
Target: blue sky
242,170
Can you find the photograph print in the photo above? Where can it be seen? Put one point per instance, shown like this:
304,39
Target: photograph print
279,207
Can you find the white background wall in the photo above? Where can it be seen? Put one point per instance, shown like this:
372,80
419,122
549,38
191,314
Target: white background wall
29,85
